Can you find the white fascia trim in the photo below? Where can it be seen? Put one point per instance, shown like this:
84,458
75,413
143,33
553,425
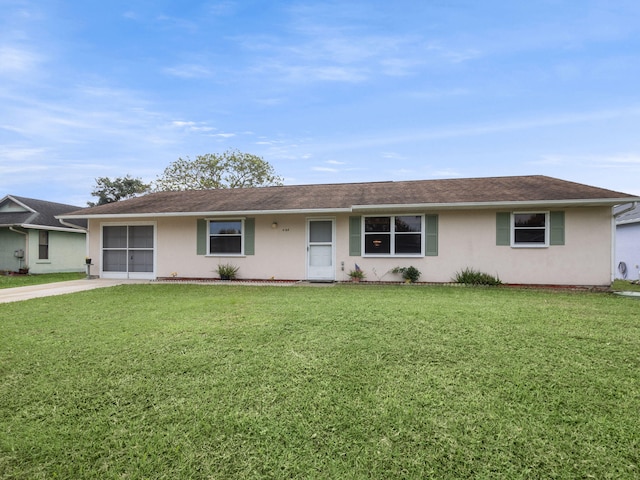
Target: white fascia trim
627,222
14,200
223,213
510,204
364,208
57,229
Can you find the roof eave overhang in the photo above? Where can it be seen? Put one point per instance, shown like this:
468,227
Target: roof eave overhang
28,226
212,213
628,222
605,202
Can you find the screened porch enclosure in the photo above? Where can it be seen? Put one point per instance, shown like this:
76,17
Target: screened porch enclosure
128,251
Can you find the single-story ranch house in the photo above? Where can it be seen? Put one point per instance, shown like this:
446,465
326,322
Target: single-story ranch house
525,230
33,239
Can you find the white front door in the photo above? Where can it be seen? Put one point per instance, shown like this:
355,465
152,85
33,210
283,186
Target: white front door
321,250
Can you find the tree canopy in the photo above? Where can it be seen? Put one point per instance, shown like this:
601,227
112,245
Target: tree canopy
231,169
121,188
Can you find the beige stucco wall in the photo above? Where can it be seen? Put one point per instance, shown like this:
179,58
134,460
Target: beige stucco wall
466,239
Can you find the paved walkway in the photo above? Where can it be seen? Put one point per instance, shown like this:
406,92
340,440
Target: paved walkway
17,294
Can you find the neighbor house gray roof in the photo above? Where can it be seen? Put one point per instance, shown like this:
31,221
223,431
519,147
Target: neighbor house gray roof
33,213
628,216
361,197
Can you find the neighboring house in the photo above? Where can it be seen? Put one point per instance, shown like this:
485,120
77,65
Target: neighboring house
628,242
526,230
31,237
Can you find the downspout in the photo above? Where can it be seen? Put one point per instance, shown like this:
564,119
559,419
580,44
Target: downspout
631,206
26,244
71,225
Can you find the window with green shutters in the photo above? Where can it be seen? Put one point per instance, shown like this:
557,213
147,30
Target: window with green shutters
225,237
530,229
393,235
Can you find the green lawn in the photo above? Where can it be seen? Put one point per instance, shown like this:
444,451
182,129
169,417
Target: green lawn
9,281
625,285
351,381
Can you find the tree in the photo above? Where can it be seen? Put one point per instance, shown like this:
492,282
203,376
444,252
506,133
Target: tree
231,169
109,191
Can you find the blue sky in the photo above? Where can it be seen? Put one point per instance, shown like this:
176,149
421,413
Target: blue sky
331,91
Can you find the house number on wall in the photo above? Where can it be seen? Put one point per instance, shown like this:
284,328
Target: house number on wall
285,229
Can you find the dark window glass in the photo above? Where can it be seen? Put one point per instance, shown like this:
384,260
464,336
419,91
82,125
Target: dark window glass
226,244
377,243
411,243
225,237
225,227
377,224
530,220
43,245
529,228
529,235
409,224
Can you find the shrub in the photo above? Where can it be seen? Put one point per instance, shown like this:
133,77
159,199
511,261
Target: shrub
227,271
474,277
410,274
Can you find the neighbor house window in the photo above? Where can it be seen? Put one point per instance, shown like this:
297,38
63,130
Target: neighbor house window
225,237
399,235
43,245
530,229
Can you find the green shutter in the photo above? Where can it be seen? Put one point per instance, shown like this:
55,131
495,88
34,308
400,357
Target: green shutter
556,236
355,232
201,248
503,228
431,236
250,236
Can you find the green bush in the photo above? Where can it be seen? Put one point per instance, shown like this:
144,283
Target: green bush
227,271
410,274
474,277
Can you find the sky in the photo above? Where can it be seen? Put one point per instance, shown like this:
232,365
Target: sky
325,91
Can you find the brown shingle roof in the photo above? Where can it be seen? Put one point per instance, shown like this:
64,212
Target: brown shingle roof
353,196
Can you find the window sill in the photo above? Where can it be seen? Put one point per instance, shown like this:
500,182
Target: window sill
407,255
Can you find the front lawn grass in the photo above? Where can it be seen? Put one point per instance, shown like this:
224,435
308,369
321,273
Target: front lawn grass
625,286
358,382
9,281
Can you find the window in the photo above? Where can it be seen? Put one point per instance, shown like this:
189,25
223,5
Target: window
399,235
43,245
225,237
530,229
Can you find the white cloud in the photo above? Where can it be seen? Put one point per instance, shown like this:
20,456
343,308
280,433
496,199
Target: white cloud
189,71
17,61
631,160
10,154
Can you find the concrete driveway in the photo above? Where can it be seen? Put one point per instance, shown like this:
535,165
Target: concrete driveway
59,288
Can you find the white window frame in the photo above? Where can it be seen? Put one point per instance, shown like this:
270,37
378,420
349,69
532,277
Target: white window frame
209,235
392,233
547,230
